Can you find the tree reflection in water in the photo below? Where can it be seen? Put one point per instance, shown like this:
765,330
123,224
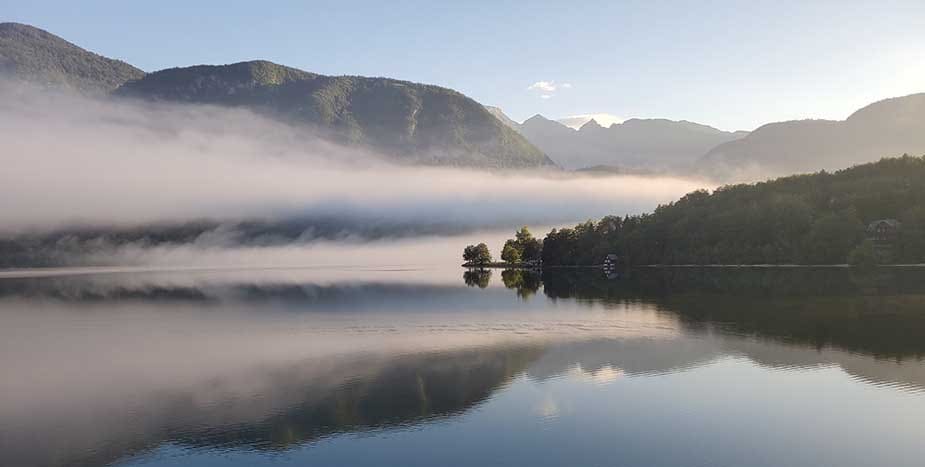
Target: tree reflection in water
879,313
477,277
871,326
525,282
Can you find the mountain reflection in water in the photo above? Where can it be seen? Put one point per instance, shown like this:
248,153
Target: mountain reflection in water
101,368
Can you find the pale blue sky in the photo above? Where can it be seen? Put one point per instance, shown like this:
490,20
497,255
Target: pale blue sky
733,65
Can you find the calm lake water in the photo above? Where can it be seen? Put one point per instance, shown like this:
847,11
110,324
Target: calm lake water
354,366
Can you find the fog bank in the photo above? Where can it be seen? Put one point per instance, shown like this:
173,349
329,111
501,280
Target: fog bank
116,164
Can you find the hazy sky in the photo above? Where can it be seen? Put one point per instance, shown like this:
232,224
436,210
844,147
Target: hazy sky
733,65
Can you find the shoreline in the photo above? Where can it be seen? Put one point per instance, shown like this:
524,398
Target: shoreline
690,266
499,265
775,266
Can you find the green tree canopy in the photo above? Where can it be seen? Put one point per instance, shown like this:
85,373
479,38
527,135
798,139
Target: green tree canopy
477,254
523,247
805,219
510,253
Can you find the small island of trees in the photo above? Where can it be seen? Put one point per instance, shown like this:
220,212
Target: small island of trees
477,255
522,251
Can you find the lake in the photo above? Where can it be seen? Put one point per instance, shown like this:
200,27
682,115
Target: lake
352,366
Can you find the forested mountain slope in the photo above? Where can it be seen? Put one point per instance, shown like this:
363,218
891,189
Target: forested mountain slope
413,122
30,54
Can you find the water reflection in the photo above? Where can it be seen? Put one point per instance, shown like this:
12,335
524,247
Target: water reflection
880,314
525,282
102,368
477,277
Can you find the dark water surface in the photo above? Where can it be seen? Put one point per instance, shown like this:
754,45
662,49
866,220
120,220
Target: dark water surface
352,367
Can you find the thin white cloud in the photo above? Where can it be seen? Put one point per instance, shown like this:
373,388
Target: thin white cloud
548,88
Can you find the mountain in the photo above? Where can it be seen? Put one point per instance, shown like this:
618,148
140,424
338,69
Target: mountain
413,122
890,127
500,115
636,144
36,56
577,121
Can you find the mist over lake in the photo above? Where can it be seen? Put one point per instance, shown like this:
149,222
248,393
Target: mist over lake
132,176
634,234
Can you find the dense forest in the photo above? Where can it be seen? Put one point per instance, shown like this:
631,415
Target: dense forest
819,218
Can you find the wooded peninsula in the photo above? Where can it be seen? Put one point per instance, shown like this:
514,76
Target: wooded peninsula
865,215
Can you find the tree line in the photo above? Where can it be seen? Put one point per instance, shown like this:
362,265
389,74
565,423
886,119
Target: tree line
818,218
522,250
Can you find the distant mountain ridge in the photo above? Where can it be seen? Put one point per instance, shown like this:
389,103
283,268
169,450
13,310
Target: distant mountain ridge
36,56
426,124
891,127
500,115
636,144
888,128
410,122
577,121
413,122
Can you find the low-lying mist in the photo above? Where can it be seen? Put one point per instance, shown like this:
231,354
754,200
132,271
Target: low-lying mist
99,174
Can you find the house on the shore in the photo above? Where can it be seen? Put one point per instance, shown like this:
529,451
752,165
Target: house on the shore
610,264
883,230
883,233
